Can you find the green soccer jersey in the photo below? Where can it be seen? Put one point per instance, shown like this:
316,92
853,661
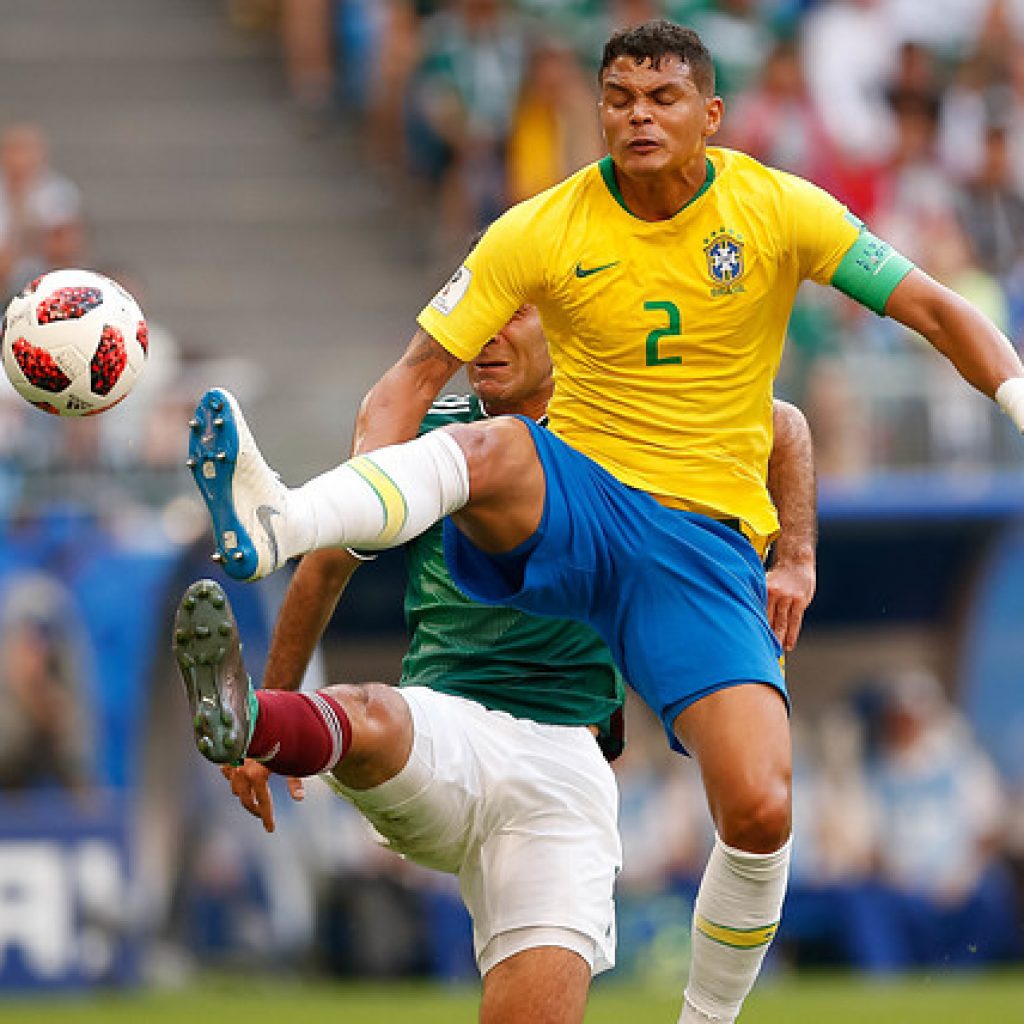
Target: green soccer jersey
548,670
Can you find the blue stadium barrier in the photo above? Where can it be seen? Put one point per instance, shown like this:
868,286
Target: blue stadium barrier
65,912
63,857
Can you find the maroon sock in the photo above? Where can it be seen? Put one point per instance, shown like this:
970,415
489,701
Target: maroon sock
299,733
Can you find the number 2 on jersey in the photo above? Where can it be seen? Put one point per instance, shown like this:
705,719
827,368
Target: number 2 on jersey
673,330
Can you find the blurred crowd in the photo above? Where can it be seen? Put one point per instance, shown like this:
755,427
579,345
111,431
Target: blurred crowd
903,855
910,111
44,226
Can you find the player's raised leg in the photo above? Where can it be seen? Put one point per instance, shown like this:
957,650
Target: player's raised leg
372,501
296,734
220,695
362,732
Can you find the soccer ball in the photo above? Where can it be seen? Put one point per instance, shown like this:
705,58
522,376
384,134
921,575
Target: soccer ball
74,342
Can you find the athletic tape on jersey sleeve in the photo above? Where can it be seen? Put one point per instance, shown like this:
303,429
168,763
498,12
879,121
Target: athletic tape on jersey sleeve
870,271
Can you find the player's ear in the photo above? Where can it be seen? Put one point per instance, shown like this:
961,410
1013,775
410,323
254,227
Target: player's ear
713,111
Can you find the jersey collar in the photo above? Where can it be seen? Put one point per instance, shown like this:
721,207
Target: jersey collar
607,169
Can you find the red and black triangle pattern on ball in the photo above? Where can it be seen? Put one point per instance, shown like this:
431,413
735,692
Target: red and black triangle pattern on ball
39,367
143,336
68,304
108,362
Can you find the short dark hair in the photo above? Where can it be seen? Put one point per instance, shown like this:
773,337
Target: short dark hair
653,41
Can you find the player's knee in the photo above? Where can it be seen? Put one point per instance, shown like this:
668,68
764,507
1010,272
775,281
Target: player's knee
376,714
759,818
381,734
496,451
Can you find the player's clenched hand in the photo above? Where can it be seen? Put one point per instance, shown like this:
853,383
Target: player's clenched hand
790,589
250,782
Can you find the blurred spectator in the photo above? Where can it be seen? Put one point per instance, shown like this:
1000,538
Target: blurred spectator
959,422
992,205
987,89
40,210
142,431
585,25
916,73
237,898
1014,110
667,834
967,105
778,123
308,48
736,33
838,419
940,810
463,99
45,728
397,51
827,919
996,29
912,187
944,26
850,55
832,813
663,819
555,128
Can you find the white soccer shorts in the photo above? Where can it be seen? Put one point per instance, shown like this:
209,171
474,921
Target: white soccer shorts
523,813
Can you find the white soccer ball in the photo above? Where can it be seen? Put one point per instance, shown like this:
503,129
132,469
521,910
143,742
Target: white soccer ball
74,342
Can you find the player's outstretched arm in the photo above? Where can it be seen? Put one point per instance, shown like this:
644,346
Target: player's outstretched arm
961,332
309,603
791,483
395,406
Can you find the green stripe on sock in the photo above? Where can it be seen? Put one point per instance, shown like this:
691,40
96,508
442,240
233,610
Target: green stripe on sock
390,496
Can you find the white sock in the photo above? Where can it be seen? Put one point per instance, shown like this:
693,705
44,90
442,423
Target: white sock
378,500
734,921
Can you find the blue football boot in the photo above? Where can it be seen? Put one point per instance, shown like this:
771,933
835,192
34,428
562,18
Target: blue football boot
242,493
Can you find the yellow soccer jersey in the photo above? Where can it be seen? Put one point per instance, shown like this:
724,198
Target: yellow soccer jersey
666,335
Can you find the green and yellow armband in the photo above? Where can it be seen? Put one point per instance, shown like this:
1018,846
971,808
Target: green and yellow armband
870,271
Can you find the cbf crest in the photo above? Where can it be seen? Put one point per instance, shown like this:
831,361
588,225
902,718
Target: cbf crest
723,250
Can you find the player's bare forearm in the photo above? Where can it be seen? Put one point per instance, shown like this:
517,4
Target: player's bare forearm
791,483
960,331
308,605
396,404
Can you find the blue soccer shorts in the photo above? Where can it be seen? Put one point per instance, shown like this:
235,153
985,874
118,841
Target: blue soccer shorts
679,598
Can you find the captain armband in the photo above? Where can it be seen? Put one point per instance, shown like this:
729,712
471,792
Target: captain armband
870,271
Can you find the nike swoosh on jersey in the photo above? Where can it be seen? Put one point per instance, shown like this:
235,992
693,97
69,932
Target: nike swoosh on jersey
582,271
264,514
